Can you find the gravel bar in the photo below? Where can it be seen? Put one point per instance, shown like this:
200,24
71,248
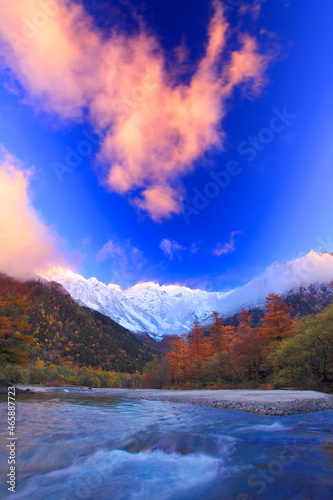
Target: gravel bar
278,402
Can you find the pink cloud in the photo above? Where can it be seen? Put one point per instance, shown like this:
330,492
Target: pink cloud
153,129
27,244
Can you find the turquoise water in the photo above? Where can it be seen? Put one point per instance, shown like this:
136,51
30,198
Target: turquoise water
89,445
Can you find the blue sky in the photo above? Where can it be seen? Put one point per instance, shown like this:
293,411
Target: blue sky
275,158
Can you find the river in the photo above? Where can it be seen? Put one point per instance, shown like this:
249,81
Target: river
91,445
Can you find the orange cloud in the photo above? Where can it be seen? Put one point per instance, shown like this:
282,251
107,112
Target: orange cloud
27,245
153,129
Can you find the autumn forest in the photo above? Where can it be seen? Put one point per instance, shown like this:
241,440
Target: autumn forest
46,338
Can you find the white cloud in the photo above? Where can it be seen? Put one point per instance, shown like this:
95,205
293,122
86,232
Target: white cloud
229,247
171,248
127,262
279,278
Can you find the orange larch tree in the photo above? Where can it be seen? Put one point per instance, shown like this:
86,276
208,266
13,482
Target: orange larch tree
277,323
248,347
178,358
221,340
216,339
198,349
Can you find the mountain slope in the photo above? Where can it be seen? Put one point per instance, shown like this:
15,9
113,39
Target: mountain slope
171,309
302,300
65,331
146,307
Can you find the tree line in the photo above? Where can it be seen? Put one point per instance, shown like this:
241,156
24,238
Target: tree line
280,352
45,338
37,321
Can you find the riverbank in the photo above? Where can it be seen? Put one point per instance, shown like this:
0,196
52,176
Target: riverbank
264,402
278,402
4,389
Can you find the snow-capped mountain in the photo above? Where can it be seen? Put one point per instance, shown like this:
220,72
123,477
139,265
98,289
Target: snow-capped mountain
145,307
171,309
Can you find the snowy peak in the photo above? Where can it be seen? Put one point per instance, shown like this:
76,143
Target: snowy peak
171,309
116,288
144,286
145,307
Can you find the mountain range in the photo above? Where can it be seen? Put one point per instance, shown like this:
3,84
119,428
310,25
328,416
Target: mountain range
148,308
65,332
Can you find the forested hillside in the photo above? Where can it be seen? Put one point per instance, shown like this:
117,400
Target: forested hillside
302,301
39,320
277,350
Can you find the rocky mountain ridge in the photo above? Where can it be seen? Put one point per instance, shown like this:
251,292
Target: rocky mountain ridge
171,309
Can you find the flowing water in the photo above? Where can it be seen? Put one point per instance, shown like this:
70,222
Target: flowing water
74,444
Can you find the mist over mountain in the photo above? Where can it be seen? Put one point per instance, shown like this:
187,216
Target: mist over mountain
171,309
